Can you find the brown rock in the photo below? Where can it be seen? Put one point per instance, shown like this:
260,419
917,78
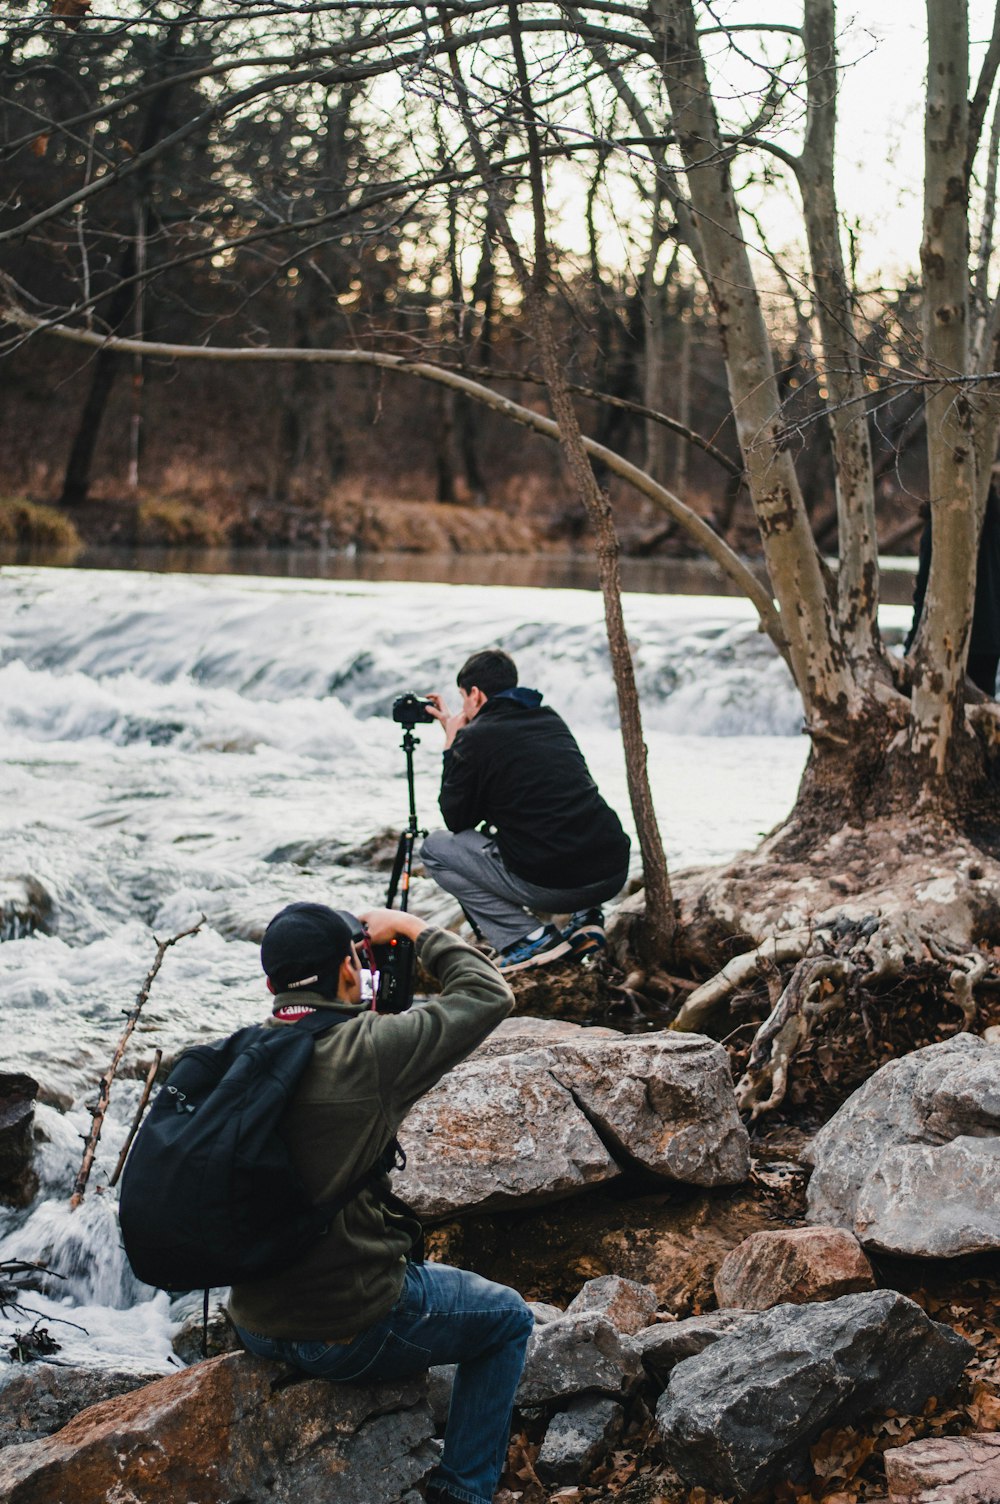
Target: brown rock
946,1470
792,1266
234,1427
628,1305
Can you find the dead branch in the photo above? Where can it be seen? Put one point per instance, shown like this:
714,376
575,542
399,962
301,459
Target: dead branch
143,1100
132,1018
702,1003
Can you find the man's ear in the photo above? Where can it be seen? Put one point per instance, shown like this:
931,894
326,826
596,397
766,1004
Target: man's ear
347,978
478,698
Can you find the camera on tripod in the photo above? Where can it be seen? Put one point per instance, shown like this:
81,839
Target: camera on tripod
411,710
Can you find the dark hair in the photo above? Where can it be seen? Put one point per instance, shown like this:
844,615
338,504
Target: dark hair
490,670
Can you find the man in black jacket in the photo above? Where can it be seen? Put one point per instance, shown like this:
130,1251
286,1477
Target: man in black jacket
528,831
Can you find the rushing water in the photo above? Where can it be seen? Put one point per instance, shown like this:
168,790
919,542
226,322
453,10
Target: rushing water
175,746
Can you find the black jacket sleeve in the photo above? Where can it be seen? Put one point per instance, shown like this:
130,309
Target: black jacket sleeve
461,800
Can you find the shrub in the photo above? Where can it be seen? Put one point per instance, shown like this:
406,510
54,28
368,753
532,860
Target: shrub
173,523
24,522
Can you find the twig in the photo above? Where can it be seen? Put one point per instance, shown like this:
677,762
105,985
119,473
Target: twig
147,1089
132,1018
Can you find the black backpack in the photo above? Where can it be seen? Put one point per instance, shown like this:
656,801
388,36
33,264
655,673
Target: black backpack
209,1195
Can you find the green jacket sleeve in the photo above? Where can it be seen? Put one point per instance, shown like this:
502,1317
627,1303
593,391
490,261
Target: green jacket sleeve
413,1050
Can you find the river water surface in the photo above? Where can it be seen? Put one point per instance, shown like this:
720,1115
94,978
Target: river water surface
174,746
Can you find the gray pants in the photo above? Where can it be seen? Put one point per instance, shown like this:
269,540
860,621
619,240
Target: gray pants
502,906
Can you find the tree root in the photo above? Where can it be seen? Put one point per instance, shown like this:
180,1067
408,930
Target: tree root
695,1013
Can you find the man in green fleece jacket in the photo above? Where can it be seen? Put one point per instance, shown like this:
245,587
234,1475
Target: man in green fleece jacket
355,1307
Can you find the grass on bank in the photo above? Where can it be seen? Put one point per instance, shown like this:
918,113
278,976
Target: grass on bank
25,522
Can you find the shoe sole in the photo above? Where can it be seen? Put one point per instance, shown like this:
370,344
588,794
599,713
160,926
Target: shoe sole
586,945
542,958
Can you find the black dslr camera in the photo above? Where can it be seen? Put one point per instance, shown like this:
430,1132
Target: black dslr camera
391,966
411,710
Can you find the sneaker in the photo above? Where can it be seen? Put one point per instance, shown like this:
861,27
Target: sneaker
546,947
584,934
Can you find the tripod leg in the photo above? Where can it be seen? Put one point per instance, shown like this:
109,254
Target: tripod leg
399,861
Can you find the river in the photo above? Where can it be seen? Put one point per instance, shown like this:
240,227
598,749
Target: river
178,745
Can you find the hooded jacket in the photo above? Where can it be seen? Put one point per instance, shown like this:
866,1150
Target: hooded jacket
517,768
363,1078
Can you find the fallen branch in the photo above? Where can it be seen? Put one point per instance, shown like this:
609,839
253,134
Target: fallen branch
132,1018
143,1100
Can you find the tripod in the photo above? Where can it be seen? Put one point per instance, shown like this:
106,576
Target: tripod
402,866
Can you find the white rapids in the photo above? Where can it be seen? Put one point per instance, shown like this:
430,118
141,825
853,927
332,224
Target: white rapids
176,746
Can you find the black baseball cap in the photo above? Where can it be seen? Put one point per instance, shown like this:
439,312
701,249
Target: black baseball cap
304,945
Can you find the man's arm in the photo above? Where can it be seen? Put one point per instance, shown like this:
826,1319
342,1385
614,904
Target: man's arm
416,1048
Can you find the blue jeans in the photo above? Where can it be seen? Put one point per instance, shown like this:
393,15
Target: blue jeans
443,1315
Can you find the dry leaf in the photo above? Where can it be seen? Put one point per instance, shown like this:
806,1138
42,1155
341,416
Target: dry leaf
70,11
984,1409
40,145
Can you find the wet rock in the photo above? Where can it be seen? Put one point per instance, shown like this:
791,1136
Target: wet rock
192,1343
232,1428
546,1122
628,1305
794,1265
25,906
911,1162
945,1470
578,1355
39,1398
578,1438
667,1343
743,1413
18,1180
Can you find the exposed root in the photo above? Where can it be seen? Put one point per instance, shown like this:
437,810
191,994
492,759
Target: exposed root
695,1013
816,987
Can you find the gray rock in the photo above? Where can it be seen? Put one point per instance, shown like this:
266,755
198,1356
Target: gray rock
665,1344
743,1412
911,1162
440,1383
628,1305
25,906
578,1438
526,1125
39,1398
543,1312
18,1179
578,1355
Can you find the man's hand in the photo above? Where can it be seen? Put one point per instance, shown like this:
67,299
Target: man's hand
384,925
450,724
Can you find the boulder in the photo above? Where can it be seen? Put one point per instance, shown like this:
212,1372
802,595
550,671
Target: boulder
666,1344
945,1470
18,1179
628,1305
25,906
744,1412
578,1438
39,1398
911,1162
234,1427
792,1266
497,1133
524,1121
578,1355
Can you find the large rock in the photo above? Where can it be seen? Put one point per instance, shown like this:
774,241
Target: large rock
232,1428
578,1438
628,1305
529,1122
39,1398
18,1179
743,1412
668,1343
792,1266
578,1355
945,1470
25,906
911,1162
